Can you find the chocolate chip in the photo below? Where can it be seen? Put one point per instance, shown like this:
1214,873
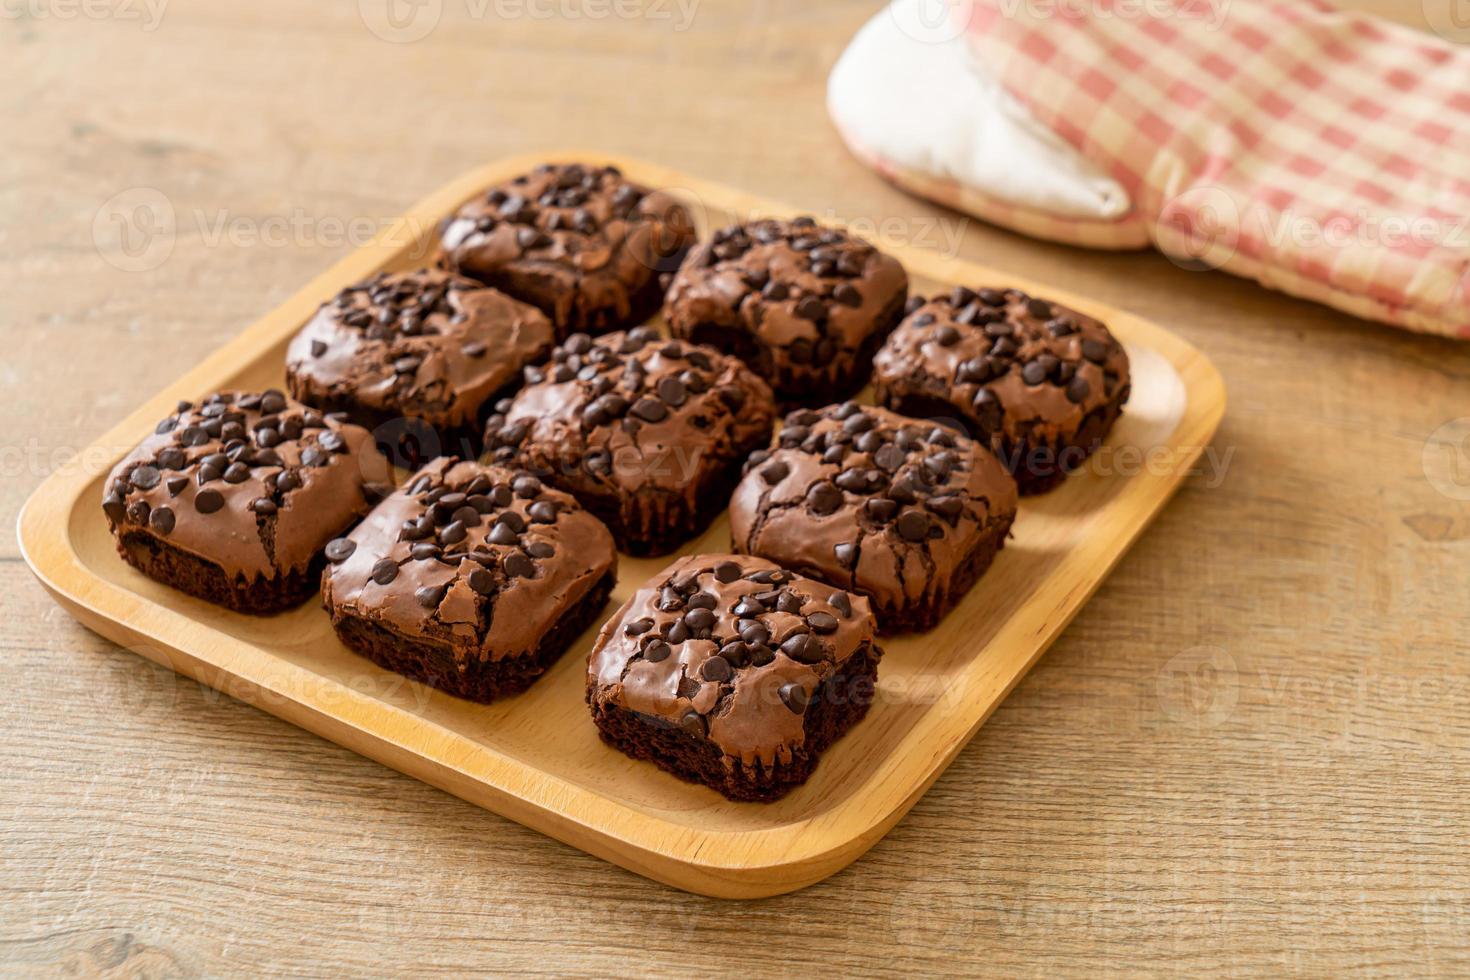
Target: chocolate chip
848,295
889,458
775,473
842,602
429,596
517,565
208,501
385,570
672,391
144,477
811,308
727,571
794,696
340,549
880,510
452,533
961,297
481,581
176,485
1034,373
638,626
543,512
822,622
699,619
823,499
1094,350
946,336
264,506
1040,309
913,526
1078,389
988,410
693,723
540,549
526,487
716,669
775,291
161,520
650,410
657,651
502,534
845,552
802,648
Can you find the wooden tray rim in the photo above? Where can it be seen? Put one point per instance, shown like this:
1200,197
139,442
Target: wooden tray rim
739,863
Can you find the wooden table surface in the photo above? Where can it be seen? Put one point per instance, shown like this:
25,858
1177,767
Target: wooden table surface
1249,753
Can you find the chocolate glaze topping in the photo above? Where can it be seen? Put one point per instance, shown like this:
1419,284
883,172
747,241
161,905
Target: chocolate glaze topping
730,649
427,344
254,482
631,412
481,557
870,500
814,293
1017,367
582,243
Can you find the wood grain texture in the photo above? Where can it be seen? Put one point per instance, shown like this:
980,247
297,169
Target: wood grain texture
1303,811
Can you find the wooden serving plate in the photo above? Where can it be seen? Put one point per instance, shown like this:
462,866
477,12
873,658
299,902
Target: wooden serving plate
536,758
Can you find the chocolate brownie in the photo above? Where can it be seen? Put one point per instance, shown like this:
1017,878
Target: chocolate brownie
581,242
649,434
414,356
732,672
234,499
904,512
470,578
805,306
1038,383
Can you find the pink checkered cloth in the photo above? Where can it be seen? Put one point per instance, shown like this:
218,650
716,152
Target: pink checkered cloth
1322,153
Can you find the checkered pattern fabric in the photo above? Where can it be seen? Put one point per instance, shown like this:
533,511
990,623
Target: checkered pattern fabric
1323,153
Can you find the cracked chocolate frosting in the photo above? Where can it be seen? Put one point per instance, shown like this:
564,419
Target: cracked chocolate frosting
805,305
1021,371
254,483
483,559
427,344
887,506
582,243
729,649
636,426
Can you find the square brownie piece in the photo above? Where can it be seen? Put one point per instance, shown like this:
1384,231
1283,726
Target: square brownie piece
582,243
906,513
649,434
1038,383
470,578
733,672
803,305
418,358
233,500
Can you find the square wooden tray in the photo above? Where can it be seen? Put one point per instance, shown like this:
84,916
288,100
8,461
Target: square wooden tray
536,758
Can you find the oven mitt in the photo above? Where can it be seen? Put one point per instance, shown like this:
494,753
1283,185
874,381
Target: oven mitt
1322,153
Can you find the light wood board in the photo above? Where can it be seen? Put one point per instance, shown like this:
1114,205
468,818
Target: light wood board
536,757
